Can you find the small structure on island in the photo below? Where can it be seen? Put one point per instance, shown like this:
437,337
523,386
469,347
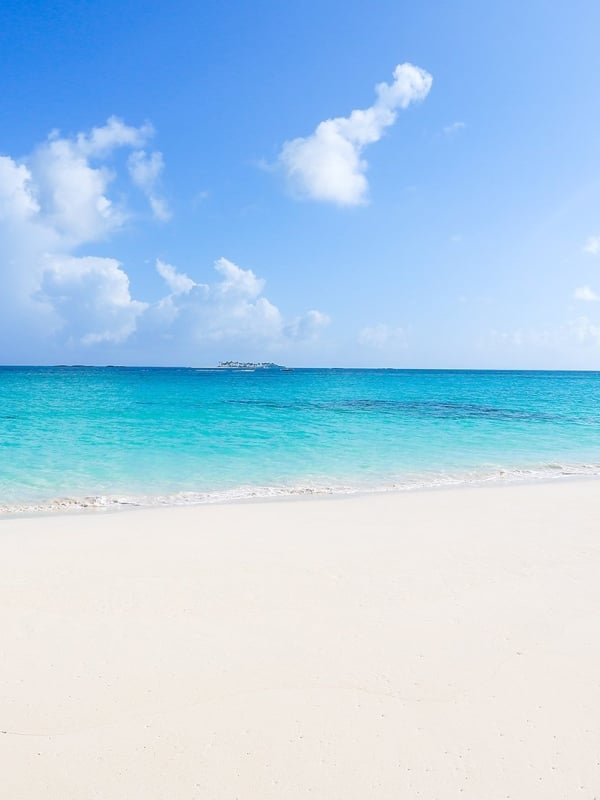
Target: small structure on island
251,366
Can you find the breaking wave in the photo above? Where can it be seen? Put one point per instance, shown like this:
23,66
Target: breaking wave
430,480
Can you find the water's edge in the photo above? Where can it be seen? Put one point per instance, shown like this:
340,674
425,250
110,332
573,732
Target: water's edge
500,477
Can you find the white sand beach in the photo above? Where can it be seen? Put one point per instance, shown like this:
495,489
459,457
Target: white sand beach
433,644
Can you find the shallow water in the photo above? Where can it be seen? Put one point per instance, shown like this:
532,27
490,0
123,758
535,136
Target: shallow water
79,436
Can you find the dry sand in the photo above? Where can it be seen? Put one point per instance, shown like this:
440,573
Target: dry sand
441,644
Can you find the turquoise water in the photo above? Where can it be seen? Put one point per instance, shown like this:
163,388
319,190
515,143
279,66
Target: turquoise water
101,436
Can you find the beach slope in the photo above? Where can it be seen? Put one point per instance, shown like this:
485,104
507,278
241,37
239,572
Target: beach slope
434,644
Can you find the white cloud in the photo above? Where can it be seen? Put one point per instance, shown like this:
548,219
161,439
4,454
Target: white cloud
232,308
178,282
16,192
72,193
453,128
51,203
571,336
59,303
585,331
145,170
91,294
524,338
160,209
585,293
382,336
200,197
115,133
308,326
237,280
328,165
592,246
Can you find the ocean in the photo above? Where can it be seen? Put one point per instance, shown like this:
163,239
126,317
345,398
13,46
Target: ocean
75,437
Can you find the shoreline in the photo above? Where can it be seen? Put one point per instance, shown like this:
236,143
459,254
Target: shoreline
116,503
441,644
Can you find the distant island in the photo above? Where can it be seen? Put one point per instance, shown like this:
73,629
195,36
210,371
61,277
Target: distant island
251,365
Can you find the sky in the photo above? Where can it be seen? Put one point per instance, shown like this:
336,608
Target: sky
313,183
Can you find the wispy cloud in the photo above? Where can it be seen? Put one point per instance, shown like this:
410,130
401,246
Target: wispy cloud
453,128
585,293
178,282
308,326
581,332
382,336
592,246
328,165
145,170
585,331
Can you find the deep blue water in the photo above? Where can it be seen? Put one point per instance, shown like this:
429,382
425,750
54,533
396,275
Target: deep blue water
187,435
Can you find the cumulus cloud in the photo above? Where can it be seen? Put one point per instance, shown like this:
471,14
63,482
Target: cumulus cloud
52,203
585,293
382,336
91,294
308,326
115,133
58,302
231,308
178,282
328,165
17,200
71,188
238,281
145,170
592,246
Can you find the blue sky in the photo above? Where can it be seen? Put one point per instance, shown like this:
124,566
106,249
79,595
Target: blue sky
185,184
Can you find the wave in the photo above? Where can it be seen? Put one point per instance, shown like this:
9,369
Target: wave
499,475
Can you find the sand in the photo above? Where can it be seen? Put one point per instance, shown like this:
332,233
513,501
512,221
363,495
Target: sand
434,644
